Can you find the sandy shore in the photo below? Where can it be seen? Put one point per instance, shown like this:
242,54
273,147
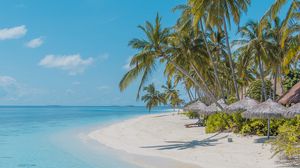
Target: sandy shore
164,135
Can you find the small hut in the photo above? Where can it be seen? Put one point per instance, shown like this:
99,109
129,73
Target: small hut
291,97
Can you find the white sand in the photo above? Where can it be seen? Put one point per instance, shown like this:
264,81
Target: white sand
164,135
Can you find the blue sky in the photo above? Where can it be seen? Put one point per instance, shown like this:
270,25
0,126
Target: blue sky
75,52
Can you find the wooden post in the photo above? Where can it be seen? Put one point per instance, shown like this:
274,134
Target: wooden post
268,127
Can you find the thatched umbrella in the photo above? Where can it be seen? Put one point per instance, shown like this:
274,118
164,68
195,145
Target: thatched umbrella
268,109
293,111
242,105
213,108
198,105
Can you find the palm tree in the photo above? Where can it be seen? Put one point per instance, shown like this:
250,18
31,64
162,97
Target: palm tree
285,42
218,13
172,94
291,15
151,50
153,97
186,19
254,47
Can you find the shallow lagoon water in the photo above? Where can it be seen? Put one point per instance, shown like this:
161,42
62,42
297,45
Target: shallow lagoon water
54,137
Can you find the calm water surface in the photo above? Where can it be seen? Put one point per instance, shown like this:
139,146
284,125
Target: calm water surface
55,137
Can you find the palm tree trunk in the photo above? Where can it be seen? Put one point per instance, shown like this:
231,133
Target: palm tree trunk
212,60
189,94
180,69
261,71
210,94
198,92
275,83
230,60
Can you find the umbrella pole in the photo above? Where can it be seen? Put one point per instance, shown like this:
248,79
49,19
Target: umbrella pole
268,127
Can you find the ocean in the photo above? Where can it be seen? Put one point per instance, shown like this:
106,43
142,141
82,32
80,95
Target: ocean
56,136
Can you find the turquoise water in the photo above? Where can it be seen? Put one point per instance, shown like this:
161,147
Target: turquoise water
55,137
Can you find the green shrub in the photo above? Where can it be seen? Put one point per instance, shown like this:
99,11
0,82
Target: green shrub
288,140
231,99
216,122
191,114
255,89
260,127
236,122
292,78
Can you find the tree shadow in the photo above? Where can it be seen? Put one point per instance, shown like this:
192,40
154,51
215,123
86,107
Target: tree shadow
263,140
288,163
181,145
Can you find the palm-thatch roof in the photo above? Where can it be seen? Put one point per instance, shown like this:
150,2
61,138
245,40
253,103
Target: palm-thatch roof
292,96
267,109
293,111
213,108
242,105
196,106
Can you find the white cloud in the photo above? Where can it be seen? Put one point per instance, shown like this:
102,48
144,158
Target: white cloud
127,65
35,43
10,89
74,64
13,33
7,81
13,91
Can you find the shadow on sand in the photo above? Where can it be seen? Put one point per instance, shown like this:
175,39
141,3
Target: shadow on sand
181,145
263,140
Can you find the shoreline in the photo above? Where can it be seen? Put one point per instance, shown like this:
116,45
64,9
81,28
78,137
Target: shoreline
164,136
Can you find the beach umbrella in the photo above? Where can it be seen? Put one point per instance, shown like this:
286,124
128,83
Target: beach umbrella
198,105
293,111
213,108
242,105
266,110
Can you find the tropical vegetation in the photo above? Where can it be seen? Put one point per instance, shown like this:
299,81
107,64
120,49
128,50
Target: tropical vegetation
261,62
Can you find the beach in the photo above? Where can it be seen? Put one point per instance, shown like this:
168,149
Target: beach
164,136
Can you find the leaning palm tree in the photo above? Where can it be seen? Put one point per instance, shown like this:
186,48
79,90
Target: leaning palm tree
184,21
153,97
152,49
219,13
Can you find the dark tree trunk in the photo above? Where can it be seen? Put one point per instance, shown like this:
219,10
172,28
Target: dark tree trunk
212,59
275,83
231,60
261,71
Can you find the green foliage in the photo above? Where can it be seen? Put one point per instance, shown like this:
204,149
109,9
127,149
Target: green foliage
255,89
288,140
191,114
153,97
222,121
292,78
216,123
172,94
259,127
237,124
231,99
